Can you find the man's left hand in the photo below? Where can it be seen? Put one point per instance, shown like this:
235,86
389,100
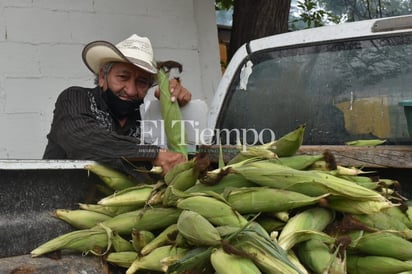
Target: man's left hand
178,92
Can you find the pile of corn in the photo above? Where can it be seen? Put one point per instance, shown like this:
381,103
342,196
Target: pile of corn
269,210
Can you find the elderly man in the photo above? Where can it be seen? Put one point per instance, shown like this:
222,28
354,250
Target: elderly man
103,123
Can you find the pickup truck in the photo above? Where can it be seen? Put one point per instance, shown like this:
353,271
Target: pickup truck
344,82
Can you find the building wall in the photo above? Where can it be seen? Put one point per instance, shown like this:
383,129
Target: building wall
40,54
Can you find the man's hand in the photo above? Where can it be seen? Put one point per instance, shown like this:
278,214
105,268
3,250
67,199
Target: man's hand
167,160
179,92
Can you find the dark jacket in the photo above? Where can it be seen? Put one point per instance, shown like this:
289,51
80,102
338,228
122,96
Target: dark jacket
84,129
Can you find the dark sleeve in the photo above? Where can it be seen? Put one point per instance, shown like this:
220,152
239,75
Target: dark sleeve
77,132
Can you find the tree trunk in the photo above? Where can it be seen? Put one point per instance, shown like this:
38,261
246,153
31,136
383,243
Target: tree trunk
254,19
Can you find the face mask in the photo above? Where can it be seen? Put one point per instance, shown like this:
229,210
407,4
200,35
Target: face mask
118,107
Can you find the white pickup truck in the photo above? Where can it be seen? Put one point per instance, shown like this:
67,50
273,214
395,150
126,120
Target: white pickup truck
345,82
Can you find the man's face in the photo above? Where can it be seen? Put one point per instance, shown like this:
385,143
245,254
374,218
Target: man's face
127,81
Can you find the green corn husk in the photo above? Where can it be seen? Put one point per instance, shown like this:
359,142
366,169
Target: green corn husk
228,181
263,199
120,244
197,230
225,263
163,238
85,240
362,181
265,253
215,211
131,196
113,178
387,244
397,213
185,179
299,226
122,259
140,239
150,218
315,255
188,175
356,207
157,260
79,218
381,221
376,265
295,261
177,169
108,210
172,117
299,162
288,144
365,143
251,152
195,260
312,182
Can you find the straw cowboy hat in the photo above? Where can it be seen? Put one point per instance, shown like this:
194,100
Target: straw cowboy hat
135,49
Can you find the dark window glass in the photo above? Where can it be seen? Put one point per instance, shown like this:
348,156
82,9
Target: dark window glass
342,91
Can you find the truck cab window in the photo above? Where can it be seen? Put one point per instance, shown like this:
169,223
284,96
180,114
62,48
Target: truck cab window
342,91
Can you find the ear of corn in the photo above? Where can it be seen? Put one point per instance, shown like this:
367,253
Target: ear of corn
120,244
252,152
265,253
176,137
350,171
113,178
197,230
381,221
136,195
154,260
195,260
261,199
122,259
355,206
225,263
228,181
84,240
163,238
397,213
140,239
288,144
362,181
289,241
80,218
107,210
185,179
312,219
188,172
299,162
215,211
311,182
143,219
376,265
176,170
365,143
315,255
295,260
385,244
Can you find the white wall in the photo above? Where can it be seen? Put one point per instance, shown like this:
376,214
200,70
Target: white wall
40,54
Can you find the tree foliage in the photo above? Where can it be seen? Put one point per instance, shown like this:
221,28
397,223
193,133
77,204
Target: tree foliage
253,19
